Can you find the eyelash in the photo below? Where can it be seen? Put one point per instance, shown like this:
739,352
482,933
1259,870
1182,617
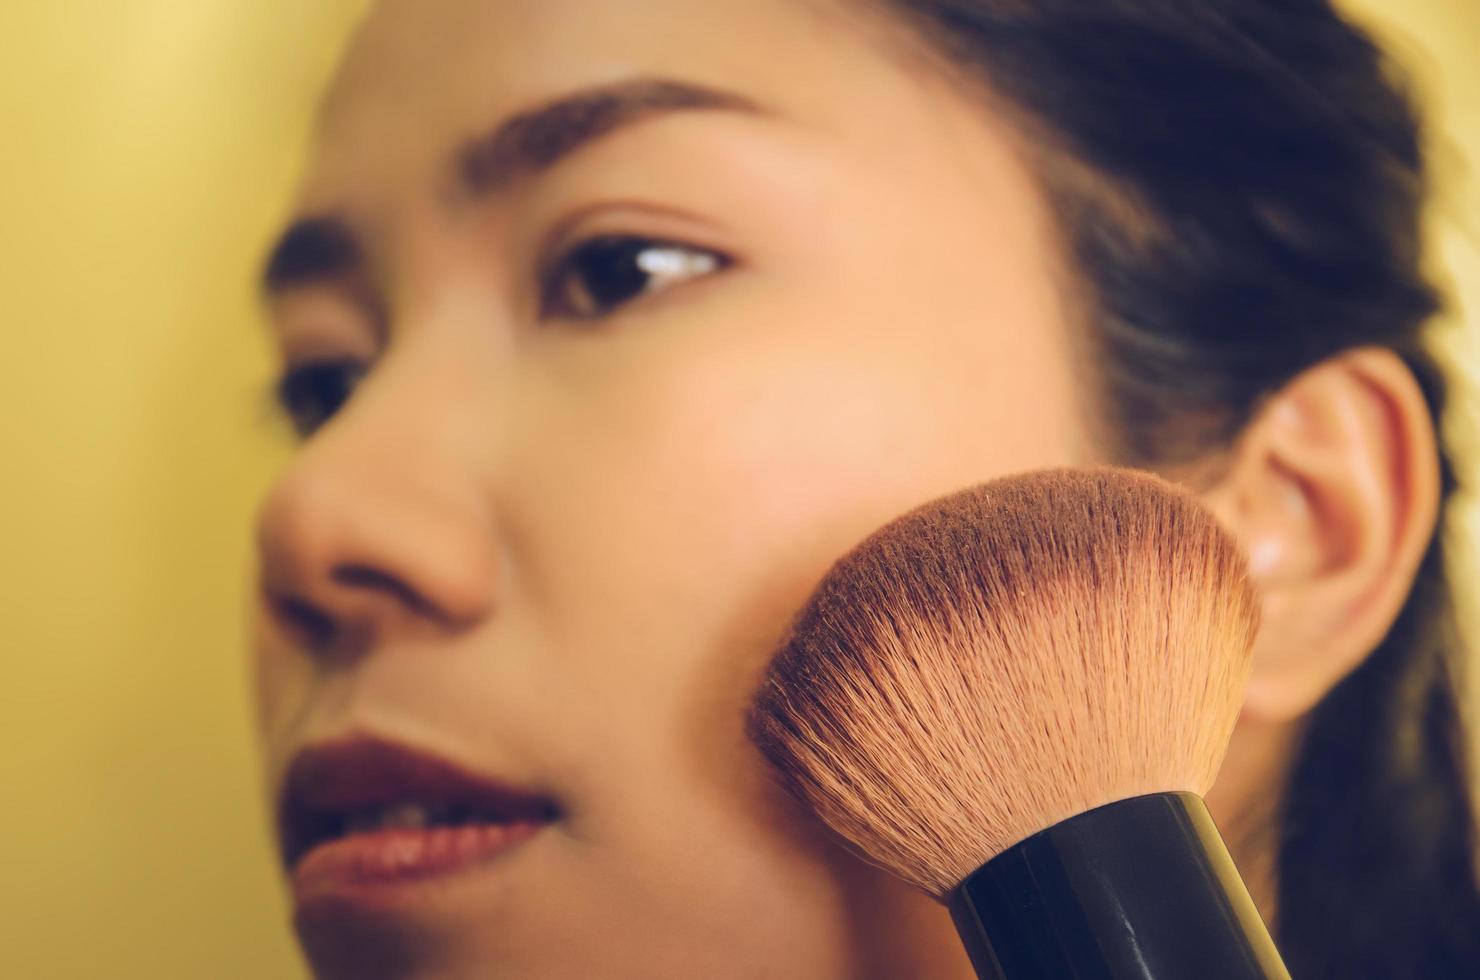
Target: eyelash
656,257
310,393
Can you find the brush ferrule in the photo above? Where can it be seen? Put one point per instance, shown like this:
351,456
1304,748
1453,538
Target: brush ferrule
1142,888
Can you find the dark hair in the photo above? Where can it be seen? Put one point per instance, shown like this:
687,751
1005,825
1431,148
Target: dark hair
1240,186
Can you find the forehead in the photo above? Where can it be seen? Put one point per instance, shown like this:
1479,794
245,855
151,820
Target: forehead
405,47
421,75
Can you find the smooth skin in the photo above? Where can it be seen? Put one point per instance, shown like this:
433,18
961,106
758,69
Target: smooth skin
557,543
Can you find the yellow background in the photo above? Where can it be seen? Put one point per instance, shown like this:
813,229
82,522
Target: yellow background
148,150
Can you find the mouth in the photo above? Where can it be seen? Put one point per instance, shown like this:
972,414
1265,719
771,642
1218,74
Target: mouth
364,815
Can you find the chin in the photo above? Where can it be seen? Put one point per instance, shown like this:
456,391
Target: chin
492,921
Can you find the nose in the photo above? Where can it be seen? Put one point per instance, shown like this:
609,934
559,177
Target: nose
370,531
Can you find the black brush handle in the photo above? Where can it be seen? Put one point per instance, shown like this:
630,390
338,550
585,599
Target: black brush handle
1142,889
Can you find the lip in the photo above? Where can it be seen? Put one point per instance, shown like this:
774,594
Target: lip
327,783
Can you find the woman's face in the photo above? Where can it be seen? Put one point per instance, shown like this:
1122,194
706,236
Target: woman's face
633,379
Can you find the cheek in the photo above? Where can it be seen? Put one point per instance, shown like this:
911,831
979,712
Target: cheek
672,517
283,686
761,451
712,471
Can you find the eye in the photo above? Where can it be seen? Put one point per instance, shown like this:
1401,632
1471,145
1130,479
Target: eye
311,393
601,274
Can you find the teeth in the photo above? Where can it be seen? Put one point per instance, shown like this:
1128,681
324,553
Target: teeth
406,815
412,815
393,815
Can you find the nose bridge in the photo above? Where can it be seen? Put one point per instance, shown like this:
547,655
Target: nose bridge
385,519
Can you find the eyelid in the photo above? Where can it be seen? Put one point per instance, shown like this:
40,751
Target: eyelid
637,218
569,251
323,322
630,216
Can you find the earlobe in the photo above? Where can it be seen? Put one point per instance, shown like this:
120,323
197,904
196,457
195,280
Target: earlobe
1333,490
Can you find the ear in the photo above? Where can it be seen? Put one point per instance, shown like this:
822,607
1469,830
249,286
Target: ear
1333,489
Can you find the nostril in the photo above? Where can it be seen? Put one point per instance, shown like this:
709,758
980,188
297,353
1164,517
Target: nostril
317,627
363,577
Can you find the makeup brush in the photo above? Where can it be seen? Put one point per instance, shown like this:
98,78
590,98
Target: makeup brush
1015,698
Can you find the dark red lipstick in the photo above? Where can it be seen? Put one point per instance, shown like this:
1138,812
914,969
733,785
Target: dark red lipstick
362,817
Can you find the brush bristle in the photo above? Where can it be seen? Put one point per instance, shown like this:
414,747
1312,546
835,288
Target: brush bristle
1001,659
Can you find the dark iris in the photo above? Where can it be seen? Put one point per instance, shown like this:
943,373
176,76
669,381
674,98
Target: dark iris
601,274
312,393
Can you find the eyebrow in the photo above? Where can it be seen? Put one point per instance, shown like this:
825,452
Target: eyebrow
527,143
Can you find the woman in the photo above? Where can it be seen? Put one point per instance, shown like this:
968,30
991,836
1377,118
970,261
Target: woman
609,327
